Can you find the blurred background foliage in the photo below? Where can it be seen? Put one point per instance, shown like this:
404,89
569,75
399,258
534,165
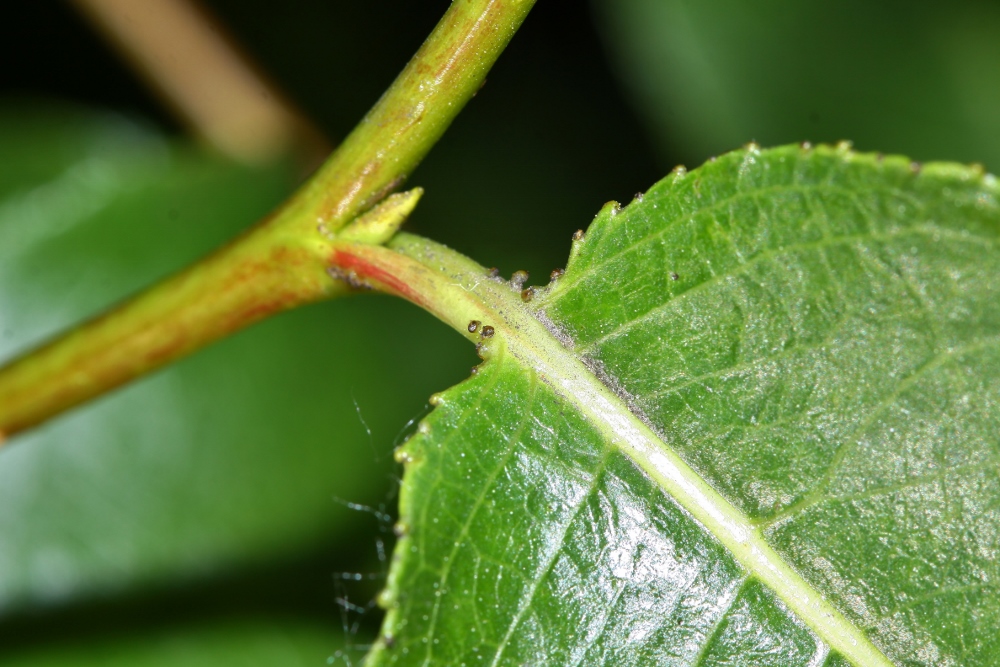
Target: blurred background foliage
917,78
209,513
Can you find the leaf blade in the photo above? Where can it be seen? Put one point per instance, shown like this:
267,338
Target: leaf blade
954,199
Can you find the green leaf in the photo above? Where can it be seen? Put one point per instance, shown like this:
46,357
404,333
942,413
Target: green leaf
916,78
253,642
241,453
755,422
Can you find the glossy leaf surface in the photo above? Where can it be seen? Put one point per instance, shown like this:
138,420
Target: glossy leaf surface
239,454
754,423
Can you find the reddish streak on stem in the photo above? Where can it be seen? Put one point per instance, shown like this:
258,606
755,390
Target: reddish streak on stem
367,270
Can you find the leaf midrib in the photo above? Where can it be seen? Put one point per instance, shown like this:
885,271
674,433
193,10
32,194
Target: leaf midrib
520,332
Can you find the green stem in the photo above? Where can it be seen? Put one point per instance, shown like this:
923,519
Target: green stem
280,263
395,135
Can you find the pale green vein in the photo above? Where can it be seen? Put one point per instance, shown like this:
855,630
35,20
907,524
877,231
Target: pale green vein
850,440
522,334
476,506
760,258
479,398
549,561
605,623
749,365
889,489
706,211
945,592
713,632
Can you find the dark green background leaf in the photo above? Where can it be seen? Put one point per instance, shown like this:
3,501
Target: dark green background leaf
254,642
919,78
814,332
